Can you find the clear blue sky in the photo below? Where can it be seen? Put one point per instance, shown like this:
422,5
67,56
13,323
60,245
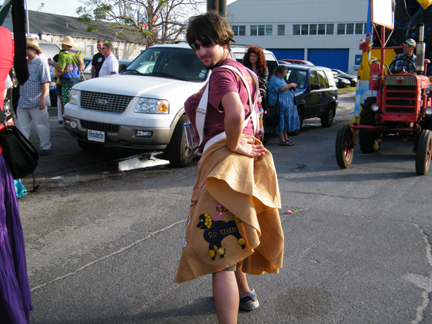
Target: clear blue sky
61,7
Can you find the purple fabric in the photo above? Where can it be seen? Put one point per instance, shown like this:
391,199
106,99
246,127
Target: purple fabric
15,298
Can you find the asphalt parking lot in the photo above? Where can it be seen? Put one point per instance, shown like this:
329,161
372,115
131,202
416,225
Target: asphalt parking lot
357,247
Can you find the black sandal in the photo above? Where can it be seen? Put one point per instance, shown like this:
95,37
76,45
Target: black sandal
290,143
286,144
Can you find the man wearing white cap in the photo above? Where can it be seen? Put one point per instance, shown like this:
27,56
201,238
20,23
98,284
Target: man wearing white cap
31,103
71,64
402,61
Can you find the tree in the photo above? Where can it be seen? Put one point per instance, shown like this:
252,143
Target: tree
156,21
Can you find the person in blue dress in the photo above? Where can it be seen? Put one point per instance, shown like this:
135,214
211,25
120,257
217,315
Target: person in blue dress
289,119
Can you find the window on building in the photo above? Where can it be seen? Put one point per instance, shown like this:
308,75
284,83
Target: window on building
304,29
330,29
296,29
89,50
312,29
269,30
341,29
281,30
359,29
349,29
364,28
116,52
321,29
239,30
261,30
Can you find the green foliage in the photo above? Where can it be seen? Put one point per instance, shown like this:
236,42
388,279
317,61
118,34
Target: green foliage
146,33
81,10
91,29
85,18
122,14
102,12
129,21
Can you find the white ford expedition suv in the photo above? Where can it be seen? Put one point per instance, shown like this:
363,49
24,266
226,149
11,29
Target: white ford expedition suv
143,107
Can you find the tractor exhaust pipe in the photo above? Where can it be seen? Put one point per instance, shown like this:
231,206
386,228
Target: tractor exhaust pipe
420,50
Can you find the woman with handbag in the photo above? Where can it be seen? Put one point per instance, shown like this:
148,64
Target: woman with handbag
15,297
278,92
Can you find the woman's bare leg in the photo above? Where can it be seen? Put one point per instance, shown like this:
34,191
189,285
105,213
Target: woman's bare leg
242,283
226,296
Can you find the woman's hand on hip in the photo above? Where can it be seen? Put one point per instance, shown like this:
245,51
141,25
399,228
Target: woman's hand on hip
247,147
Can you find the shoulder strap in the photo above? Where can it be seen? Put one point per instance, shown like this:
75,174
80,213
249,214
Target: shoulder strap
202,107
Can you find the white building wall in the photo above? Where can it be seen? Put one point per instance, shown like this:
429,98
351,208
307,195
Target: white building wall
292,12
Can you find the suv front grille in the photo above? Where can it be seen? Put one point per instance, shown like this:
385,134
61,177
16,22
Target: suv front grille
104,102
109,128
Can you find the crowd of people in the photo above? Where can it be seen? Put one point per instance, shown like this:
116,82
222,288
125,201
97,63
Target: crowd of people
68,66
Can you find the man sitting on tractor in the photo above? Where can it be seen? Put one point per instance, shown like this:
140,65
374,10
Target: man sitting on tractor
402,61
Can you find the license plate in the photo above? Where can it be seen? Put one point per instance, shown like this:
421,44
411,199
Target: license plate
96,136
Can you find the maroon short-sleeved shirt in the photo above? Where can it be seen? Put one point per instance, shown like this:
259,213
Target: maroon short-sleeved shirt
222,81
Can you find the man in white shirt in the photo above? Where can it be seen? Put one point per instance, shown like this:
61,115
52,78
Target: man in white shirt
110,64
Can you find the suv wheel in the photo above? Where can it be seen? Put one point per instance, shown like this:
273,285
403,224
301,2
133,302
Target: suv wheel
178,154
327,120
90,147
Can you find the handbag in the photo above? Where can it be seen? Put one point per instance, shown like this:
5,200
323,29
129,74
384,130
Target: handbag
272,114
18,152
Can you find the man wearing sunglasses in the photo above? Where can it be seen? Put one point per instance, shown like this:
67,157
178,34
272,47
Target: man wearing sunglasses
110,65
227,234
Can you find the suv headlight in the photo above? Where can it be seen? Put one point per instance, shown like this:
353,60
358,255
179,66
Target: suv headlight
152,106
73,97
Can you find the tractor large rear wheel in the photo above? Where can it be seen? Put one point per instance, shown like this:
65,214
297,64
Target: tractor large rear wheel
423,155
344,147
370,141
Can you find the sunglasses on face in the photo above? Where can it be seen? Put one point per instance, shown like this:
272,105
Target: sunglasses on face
204,43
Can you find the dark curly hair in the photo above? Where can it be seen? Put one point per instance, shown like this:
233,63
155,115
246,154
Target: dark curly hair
261,63
210,25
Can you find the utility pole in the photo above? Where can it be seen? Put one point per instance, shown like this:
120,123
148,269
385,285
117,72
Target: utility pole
218,5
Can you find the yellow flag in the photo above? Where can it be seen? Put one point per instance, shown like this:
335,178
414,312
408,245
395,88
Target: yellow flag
425,3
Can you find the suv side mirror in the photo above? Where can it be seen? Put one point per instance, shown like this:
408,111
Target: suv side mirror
314,86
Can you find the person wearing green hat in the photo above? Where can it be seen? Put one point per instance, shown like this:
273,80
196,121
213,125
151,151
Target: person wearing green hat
402,61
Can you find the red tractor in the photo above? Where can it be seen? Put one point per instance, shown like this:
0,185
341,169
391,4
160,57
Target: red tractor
402,106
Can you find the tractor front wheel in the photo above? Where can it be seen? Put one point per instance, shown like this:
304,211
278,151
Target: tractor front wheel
370,141
344,147
423,155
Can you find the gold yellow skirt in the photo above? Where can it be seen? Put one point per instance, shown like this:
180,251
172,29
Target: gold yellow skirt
233,216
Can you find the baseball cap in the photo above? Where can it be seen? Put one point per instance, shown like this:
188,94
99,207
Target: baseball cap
410,42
